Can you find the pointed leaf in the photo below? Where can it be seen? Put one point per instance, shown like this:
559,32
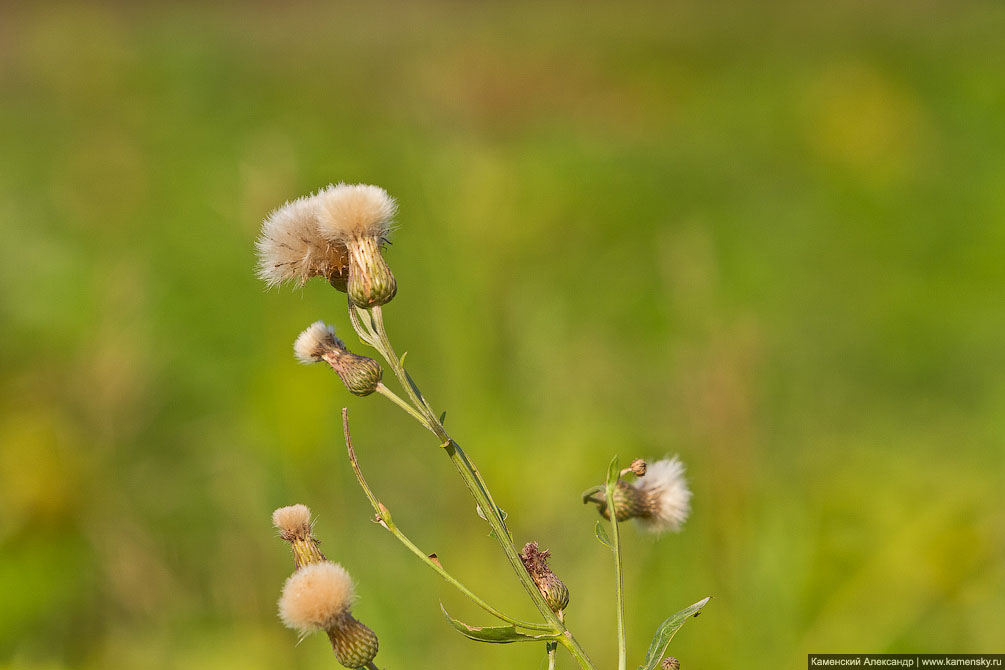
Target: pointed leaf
602,535
613,472
408,377
613,475
502,513
443,417
666,631
494,634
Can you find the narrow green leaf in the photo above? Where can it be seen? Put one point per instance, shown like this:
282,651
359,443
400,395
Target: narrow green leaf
443,417
613,475
415,389
602,535
401,361
502,513
495,634
613,472
588,494
665,633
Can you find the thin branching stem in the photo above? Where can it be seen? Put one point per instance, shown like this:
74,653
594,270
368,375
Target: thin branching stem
384,518
396,399
369,325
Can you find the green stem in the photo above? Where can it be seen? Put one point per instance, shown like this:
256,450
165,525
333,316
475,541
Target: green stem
384,516
619,588
396,399
552,647
376,335
426,415
499,531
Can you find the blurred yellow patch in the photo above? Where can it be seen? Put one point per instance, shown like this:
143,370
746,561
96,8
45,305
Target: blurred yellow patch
858,118
39,474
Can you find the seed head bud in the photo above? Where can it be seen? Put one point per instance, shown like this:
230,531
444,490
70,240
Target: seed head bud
294,524
359,217
371,282
354,643
638,467
554,590
627,501
670,663
320,597
360,374
318,343
660,501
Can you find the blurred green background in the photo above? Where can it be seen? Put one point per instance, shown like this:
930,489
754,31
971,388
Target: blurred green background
766,236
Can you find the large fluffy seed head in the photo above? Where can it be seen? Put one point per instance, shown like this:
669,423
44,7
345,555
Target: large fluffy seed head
667,496
291,248
316,597
317,339
293,520
348,211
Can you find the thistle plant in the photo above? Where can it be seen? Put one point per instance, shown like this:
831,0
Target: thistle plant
339,234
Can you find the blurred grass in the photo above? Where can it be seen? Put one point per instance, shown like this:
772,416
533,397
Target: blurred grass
767,236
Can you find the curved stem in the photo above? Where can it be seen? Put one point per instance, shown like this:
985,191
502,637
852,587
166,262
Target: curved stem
384,518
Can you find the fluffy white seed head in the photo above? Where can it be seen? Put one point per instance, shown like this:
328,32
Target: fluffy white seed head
316,597
292,520
291,248
667,496
348,211
318,338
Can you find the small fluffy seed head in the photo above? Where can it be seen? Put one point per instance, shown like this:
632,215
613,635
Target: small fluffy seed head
293,521
291,247
316,597
317,340
666,496
670,663
294,524
353,211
